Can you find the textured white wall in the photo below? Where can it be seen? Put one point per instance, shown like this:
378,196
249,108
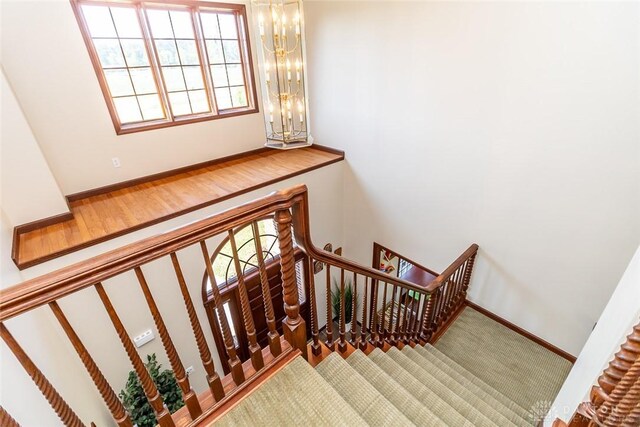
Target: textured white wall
48,66
511,124
44,340
28,189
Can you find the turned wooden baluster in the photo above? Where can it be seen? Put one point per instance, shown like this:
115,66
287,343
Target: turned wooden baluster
373,329
417,321
408,317
354,305
395,328
118,412
413,315
342,343
404,329
453,284
633,420
155,400
467,275
237,373
437,302
618,367
254,349
188,395
451,292
215,384
273,336
293,325
329,327
363,329
417,318
458,299
426,331
61,408
382,335
624,397
459,284
6,420
442,302
316,349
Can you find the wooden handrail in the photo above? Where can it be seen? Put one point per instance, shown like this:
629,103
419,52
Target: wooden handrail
455,265
302,234
440,299
44,289
49,288
407,317
377,245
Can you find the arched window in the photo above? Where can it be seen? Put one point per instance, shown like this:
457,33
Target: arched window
224,268
226,278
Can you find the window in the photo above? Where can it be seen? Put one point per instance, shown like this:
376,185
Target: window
224,269
222,260
168,63
404,266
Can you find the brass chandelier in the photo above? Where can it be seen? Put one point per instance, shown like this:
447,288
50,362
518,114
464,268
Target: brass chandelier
282,72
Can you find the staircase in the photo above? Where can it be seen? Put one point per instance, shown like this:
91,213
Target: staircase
413,386
377,365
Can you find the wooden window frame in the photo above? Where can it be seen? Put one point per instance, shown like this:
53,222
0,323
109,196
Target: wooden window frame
239,10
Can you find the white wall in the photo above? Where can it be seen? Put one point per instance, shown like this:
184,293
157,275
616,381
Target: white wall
510,124
619,317
45,341
28,189
48,66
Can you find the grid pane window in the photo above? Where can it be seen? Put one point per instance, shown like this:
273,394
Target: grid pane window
174,37
170,63
220,32
120,48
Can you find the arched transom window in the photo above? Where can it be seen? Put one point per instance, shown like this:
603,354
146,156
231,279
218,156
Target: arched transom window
223,264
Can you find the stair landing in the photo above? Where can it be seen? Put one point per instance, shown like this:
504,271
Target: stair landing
509,362
102,214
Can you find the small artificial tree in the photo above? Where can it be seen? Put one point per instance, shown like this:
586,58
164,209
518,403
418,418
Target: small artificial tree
134,399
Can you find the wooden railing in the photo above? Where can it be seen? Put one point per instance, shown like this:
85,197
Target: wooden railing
383,313
615,400
386,314
51,288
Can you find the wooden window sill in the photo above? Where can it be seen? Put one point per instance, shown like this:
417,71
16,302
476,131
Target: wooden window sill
109,212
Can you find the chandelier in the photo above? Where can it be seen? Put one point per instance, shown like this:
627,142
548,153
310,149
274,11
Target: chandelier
282,72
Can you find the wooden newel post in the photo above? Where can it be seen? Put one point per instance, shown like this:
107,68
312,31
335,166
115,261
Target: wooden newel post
293,326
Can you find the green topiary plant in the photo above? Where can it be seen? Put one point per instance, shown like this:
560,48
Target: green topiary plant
348,299
134,399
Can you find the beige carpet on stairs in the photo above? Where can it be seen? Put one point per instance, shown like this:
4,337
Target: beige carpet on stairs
520,369
295,396
480,374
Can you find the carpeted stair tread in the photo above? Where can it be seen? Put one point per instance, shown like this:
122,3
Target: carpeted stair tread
372,406
308,400
446,378
519,368
465,377
467,403
427,397
412,405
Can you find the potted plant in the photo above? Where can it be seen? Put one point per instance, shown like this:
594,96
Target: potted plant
134,399
348,302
